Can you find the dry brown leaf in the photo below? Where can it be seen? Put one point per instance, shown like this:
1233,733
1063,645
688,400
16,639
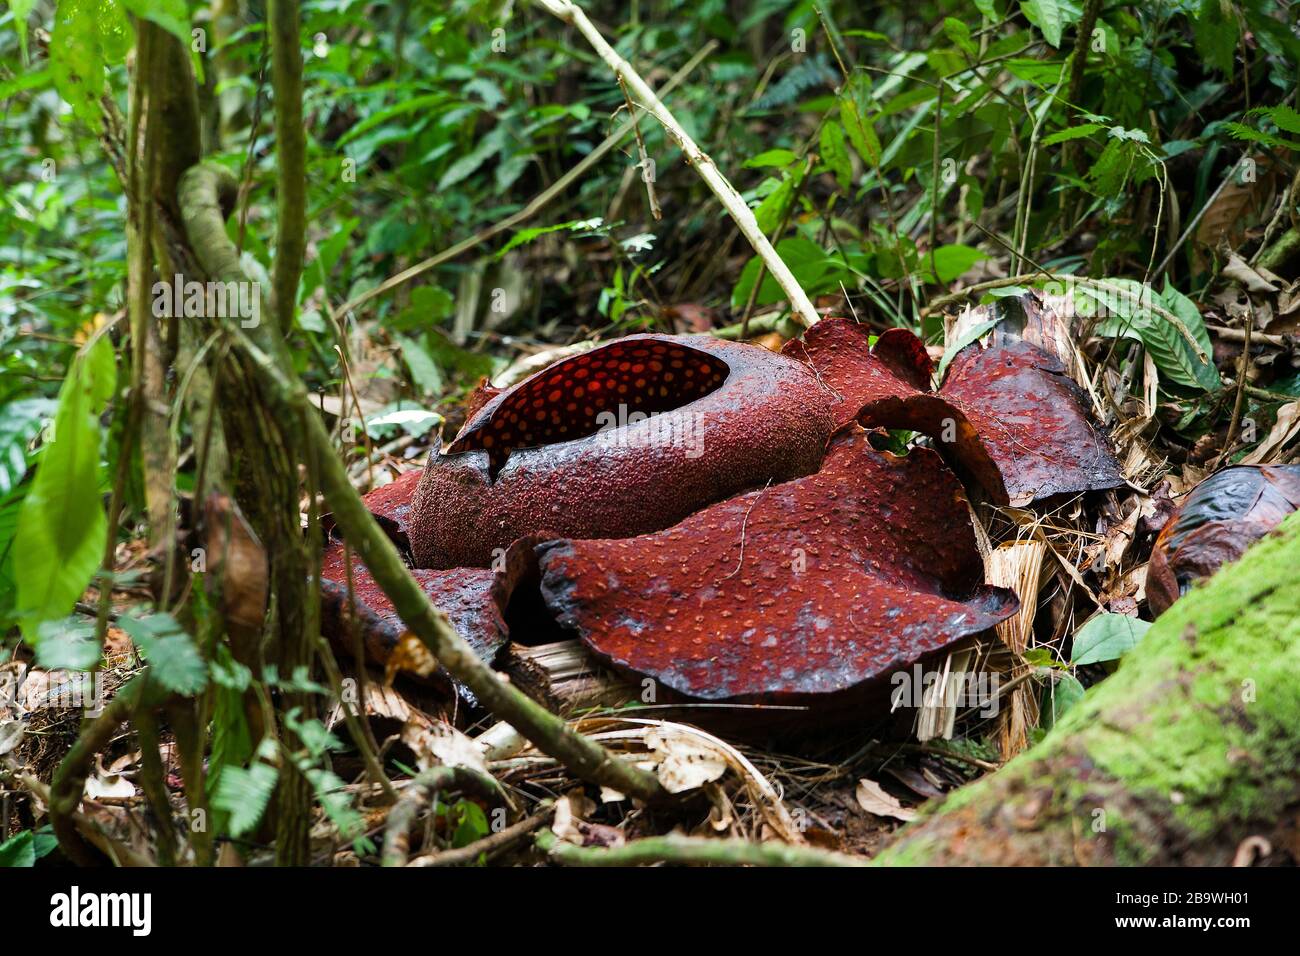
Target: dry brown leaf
1284,429
410,654
877,801
436,743
685,762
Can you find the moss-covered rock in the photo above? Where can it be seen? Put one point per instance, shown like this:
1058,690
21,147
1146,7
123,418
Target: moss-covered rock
1190,747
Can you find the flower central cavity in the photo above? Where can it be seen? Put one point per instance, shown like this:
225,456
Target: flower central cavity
585,394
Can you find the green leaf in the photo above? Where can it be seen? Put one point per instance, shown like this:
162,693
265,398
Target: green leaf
1059,698
1129,314
860,131
835,155
331,792
471,823
958,31
245,794
412,420
21,9
424,370
952,260
61,528
174,660
1217,33
172,15
1051,17
1284,117
67,644
971,335
1073,132
24,848
19,423
772,157
88,37
1106,637
807,260
770,213
524,236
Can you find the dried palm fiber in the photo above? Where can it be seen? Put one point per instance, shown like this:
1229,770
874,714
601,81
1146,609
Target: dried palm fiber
1018,565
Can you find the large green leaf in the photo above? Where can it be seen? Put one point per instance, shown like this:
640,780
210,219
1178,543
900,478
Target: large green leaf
1107,637
1129,314
836,155
61,528
807,260
860,131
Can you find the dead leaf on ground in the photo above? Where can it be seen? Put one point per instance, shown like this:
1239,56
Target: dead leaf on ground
874,799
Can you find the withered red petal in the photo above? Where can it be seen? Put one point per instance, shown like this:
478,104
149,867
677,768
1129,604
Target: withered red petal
1008,414
1222,516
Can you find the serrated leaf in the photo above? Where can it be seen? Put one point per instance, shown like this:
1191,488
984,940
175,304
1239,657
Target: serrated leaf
1107,637
174,660
1284,117
245,794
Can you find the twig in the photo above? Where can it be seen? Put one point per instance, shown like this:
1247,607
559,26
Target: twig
692,851
1243,368
647,167
422,790
487,847
718,184
1239,335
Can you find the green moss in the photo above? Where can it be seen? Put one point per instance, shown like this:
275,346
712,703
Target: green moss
1195,736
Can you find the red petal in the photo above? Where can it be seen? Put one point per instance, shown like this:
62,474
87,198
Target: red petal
474,599
809,587
1223,516
1033,422
1009,414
